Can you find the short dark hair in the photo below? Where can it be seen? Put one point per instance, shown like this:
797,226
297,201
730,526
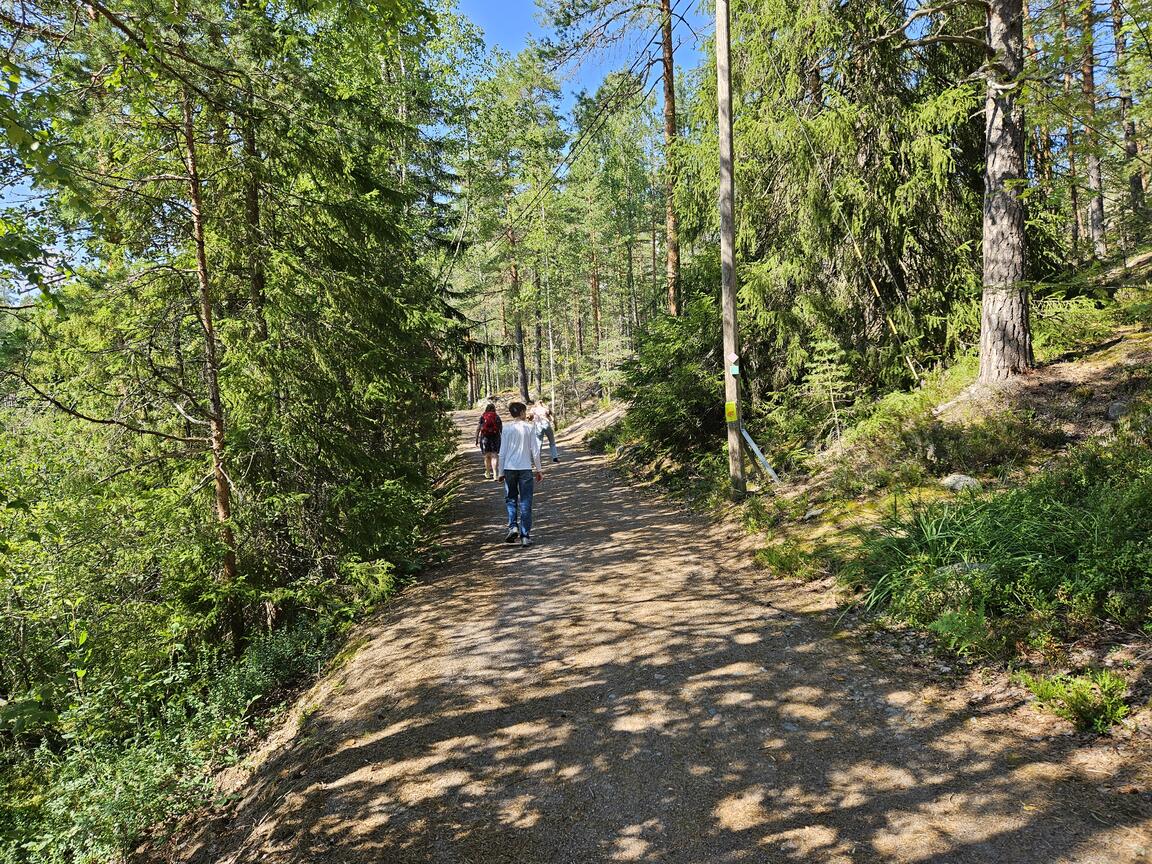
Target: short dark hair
517,408
489,407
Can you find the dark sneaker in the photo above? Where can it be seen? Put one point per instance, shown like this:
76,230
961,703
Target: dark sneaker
557,459
525,540
513,533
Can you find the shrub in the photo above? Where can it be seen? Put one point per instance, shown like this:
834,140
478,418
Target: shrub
87,801
674,381
1093,701
788,559
1072,545
903,452
964,632
1060,325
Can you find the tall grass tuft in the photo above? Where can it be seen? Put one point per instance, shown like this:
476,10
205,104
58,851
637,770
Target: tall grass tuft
1070,547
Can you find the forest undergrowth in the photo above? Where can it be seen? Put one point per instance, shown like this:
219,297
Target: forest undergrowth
1042,560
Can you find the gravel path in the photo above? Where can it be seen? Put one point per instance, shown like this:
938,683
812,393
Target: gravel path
626,691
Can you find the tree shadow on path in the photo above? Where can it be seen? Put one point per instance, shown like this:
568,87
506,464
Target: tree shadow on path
624,691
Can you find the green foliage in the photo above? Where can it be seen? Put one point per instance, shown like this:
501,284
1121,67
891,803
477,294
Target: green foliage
789,559
964,631
605,439
144,448
902,453
86,801
674,384
1093,702
860,196
1069,546
1061,325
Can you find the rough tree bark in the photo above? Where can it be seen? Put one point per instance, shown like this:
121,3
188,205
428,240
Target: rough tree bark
671,223
229,571
655,266
594,301
1075,228
578,314
1092,157
1005,333
521,366
473,376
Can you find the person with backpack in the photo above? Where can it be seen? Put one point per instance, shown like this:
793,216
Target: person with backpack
519,466
488,432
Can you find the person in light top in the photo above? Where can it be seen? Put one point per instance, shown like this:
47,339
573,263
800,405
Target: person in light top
519,465
541,417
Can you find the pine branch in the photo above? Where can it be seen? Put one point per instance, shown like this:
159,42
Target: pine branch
100,421
924,12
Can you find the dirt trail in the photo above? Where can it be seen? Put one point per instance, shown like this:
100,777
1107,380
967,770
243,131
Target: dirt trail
624,691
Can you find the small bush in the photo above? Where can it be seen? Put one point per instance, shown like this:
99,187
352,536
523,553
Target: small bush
905,452
788,559
1071,546
87,802
603,440
674,382
1061,325
964,632
1092,702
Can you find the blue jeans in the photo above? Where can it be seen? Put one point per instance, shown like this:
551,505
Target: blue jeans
518,487
547,431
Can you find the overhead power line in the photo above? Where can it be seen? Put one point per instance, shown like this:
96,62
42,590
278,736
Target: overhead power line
601,116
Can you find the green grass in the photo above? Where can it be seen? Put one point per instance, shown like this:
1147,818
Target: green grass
1071,547
86,800
1092,702
909,452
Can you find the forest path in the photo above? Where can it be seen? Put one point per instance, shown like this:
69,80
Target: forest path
626,691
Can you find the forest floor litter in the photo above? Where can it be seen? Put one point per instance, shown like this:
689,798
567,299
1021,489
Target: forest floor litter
632,689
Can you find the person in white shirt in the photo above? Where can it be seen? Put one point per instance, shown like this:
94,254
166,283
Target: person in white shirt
519,466
541,416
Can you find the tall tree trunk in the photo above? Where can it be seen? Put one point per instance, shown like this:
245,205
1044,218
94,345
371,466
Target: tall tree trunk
671,223
1131,153
634,311
1075,226
539,342
521,366
1092,157
473,384
1041,139
551,348
594,302
578,313
518,323
1005,333
229,571
655,267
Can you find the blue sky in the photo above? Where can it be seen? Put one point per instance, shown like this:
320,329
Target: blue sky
510,23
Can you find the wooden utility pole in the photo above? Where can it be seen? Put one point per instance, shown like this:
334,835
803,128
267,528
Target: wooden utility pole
671,221
728,254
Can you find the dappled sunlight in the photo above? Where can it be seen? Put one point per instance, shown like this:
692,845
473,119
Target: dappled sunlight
623,692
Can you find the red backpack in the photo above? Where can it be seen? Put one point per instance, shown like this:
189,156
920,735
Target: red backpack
489,423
